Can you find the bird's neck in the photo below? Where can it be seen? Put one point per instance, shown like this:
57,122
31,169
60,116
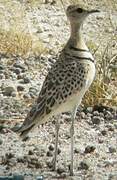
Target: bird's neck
76,38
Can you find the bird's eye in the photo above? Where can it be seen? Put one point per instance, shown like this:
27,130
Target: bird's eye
79,10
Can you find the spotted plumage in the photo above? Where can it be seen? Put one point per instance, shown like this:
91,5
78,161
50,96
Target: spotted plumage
66,78
67,81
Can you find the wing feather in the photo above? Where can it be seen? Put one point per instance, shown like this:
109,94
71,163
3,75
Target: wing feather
63,79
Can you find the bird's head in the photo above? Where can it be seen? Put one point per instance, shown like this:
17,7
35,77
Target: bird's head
77,14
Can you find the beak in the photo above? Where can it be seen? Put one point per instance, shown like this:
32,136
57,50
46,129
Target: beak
93,11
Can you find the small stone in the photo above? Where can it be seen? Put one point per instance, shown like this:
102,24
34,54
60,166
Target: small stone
8,90
21,66
89,149
108,115
20,88
51,147
12,162
20,76
82,114
14,94
110,127
112,176
2,76
39,178
1,141
26,80
101,114
26,96
49,153
1,72
49,164
9,155
100,140
30,152
95,113
90,109
2,67
83,165
61,169
76,150
112,149
21,159
30,165
96,119
17,70
38,165
1,127
59,150
104,132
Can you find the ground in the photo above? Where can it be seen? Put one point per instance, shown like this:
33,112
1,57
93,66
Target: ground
21,78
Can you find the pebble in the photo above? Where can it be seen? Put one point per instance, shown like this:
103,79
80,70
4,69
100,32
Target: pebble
17,70
20,88
82,114
49,153
89,149
49,164
2,67
96,120
1,72
14,94
51,147
83,165
8,90
30,152
26,96
104,132
26,80
95,113
76,150
21,66
112,149
1,141
60,169
59,150
108,115
39,178
21,159
110,127
90,109
9,155
100,140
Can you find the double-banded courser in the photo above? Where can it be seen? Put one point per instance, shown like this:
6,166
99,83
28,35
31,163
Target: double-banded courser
66,82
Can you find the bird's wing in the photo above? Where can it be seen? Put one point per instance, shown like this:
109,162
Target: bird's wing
61,82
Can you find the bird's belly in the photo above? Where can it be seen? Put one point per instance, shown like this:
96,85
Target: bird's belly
71,102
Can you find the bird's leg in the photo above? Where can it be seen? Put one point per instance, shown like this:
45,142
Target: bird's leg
73,115
56,143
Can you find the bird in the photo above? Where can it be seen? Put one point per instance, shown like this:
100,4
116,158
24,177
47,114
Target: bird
66,82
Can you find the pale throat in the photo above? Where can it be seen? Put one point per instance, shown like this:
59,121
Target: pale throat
76,37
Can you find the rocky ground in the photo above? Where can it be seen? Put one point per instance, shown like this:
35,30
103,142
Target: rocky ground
95,152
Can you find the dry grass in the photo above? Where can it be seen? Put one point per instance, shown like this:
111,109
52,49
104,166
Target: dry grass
15,43
104,88
100,93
